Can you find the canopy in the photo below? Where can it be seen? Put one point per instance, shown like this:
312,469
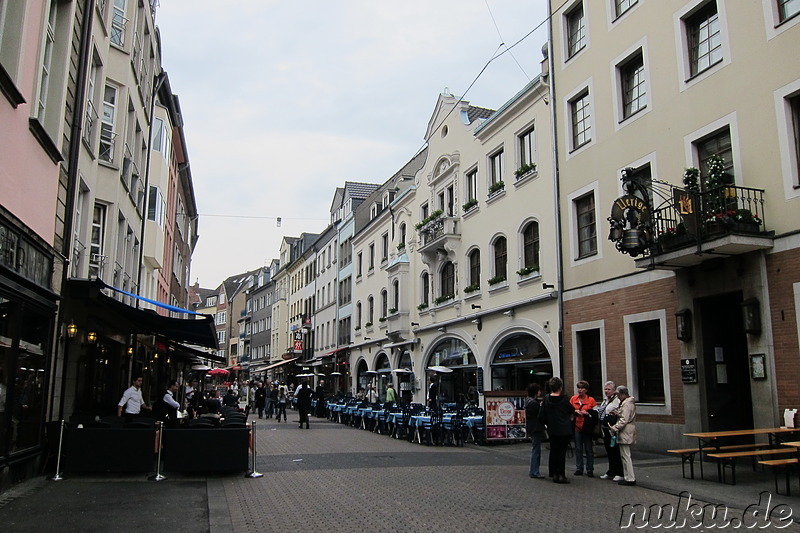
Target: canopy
441,369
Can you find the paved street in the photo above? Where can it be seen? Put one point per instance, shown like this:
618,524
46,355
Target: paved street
337,477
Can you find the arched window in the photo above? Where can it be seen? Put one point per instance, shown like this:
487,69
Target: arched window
402,242
396,294
426,289
358,314
448,280
500,258
475,268
530,246
370,310
384,303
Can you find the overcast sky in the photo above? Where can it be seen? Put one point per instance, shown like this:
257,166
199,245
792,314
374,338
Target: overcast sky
283,101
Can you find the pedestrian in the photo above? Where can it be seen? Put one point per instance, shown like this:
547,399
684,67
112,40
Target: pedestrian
166,408
556,415
261,398
372,394
190,397
272,400
607,417
283,397
391,394
244,394
303,394
584,423
534,428
132,402
433,392
270,408
251,396
319,395
625,432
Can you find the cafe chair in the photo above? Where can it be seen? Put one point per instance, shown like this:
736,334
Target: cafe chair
453,429
201,423
433,428
141,423
233,424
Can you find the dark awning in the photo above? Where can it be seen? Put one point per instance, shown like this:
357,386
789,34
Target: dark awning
126,319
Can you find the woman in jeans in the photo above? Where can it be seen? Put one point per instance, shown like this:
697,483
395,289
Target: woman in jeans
534,428
582,403
283,397
607,412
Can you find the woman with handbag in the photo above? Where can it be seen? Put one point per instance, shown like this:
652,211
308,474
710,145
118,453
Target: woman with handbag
608,416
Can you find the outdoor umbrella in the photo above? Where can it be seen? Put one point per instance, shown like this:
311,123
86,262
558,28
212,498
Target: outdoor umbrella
218,372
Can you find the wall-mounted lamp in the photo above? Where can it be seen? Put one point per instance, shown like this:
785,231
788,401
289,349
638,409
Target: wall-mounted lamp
91,337
510,312
72,330
478,322
367,338
414,324
476,306
751,316
548,286
683,324
441,329
130,350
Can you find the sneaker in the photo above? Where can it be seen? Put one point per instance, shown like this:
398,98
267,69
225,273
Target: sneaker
605,476
578,473
618,479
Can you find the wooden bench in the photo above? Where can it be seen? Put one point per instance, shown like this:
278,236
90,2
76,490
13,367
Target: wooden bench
784,464
728,459
688,454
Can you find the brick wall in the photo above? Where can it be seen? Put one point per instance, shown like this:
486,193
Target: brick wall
783,269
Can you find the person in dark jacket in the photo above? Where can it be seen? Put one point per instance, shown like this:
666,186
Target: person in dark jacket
556,415
303,395
534,428
261,399
320,397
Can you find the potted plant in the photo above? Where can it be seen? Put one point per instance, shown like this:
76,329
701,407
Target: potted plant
357,328
496,186
524,271
422,307
429,218
471,288
524,169
382,319
497,279
470,204
401,246
393,310
368,325
443,298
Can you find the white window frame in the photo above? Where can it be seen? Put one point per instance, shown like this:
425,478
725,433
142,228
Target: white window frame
108,124
471,183
46,59
633,385
772,19
690,143
565,30
790,162
614,16
576,359
495,166
119,22
568,100
592,188
617,68
686,79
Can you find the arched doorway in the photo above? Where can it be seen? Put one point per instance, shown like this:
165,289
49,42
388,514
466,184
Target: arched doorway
384,369
455,386
405,377
362,378
520,360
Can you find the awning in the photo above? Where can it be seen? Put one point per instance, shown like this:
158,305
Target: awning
333,352
279,363
401,343
122,318
191,353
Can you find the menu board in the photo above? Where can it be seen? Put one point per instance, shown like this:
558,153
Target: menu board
505,418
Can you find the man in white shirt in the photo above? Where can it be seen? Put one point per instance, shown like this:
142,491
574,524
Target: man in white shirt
132,402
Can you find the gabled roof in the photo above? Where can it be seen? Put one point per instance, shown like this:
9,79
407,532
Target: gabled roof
474,113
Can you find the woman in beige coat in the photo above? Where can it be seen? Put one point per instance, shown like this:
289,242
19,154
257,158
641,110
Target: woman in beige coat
625,431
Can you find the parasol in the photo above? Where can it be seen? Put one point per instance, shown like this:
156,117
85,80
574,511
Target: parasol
402,371
440,369
218,372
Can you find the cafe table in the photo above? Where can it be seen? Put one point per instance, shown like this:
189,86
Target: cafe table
713,440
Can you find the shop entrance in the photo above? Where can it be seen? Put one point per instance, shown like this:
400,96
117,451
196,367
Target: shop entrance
727,373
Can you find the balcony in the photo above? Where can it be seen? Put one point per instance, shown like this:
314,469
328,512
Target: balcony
440,233
398,323
723,221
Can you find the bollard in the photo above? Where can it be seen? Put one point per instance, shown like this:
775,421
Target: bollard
253,474
58,477
158,476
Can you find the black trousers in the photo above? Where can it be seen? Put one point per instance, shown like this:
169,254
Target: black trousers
304,410
558,454
614,459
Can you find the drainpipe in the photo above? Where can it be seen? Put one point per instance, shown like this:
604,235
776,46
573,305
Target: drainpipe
72,185
556,187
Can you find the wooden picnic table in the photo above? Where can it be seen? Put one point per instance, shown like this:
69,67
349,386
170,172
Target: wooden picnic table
712,439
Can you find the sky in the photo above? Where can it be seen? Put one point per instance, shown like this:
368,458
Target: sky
285,100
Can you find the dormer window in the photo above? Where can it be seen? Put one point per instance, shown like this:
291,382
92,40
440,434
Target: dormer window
373,211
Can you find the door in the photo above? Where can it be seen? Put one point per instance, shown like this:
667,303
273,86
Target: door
727,373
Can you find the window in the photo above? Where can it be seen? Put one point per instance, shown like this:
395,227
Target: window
360,264
576,30
396,294
47,59
358,314
705,39
371,256
345,291
384,303
211,301
448,280
370,310
424,211
449,199
586,224
475,268
527,148
97,244
220,317
118,23
621,6
156,206
788,8
581,125
500,258
373,211
530,246
107,134
344,331
589,358
221,337
426,289
402,242
384,247
496,168
472,185
648,363
634,92
717,144
794,105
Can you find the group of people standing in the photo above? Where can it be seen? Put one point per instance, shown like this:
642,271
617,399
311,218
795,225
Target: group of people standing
576,419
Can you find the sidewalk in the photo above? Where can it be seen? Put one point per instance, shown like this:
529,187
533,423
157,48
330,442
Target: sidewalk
335,476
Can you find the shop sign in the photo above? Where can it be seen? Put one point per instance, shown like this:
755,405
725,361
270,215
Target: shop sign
20,254
505,418
689,370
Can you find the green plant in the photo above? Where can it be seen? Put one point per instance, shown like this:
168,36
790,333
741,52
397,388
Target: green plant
401,246
421,307
432,216
496,186
470,204
497,279
524,169
357,328
745,216
691,179
368,325
527,270
393,310
382,319
717,176
443,298
472,288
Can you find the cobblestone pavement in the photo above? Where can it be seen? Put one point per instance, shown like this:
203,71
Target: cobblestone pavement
334,477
